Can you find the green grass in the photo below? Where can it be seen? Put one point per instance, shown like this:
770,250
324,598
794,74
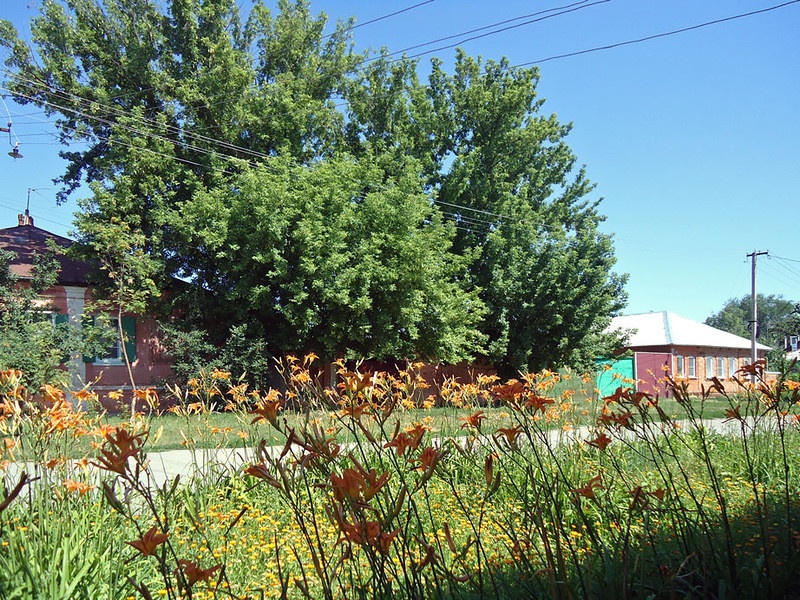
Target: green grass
233,430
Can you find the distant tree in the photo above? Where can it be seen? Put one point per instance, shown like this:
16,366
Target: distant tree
777,318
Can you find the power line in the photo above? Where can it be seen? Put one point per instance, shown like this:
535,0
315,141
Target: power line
484,28
37,217
794,272
780,277
381,18
657,35
783,258
529,22
148,134
41,87
163,155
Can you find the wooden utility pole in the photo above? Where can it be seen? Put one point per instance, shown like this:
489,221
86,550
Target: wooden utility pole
754,320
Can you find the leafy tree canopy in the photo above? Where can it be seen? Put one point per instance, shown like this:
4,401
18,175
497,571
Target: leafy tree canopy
325,200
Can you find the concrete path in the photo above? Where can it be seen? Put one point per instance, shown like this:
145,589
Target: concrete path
211,464
223,462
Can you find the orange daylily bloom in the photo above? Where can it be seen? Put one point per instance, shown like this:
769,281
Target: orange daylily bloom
373,483
429,456
348,485
220,374
588,490
193,573
266,410
77,486
362,533
511,434
402,441
149,542
355,411
733,413
601,441
473,420
417,431
510,392
117,449
387,539
52,393
538,403
354,382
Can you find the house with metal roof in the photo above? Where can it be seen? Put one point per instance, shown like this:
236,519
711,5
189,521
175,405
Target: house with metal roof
665,342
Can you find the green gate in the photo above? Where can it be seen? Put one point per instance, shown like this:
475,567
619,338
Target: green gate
608,380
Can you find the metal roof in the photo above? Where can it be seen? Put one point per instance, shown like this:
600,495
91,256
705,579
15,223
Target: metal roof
666,328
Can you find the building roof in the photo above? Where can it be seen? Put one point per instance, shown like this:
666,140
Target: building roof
665,328
26,241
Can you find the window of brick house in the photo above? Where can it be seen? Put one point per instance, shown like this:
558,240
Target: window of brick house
721,367
691,367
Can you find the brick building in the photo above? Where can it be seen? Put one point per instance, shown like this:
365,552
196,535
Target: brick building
666,342
69,298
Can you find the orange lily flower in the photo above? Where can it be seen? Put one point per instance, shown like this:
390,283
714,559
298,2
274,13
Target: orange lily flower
430,456
588,490
402,441
601,441
348,485
149,542
511,434
473,420
538,403
193,573
266,410
77,486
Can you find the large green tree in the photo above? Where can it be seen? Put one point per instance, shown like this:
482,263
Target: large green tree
504,174
305,190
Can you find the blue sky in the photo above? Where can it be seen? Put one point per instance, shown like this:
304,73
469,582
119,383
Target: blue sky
693,140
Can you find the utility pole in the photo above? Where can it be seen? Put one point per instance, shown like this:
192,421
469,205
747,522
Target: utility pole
754,321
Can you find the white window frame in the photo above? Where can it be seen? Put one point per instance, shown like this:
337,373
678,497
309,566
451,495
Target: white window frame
710,367
722,367
733,366
680,366
120,358
691,367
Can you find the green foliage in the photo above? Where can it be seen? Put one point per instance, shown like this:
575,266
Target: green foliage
336,258
224,143
504,173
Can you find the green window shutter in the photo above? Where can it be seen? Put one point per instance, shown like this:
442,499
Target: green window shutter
129,327
87,320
